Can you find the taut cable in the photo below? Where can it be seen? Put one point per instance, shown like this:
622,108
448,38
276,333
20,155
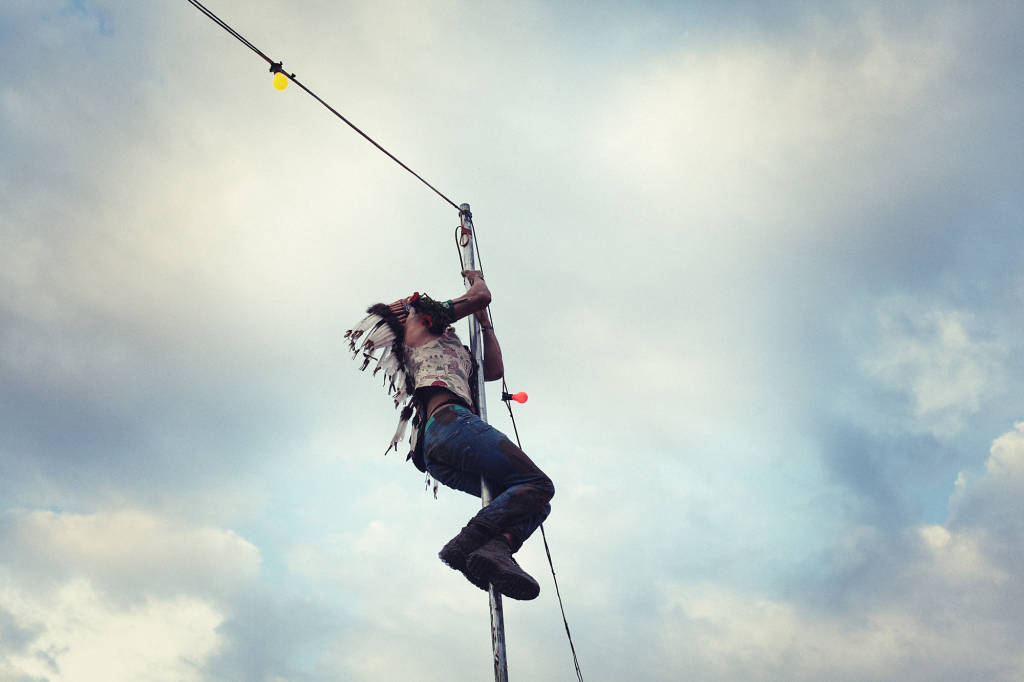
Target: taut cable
276,67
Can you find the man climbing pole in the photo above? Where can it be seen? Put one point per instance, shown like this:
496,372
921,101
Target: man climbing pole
434,375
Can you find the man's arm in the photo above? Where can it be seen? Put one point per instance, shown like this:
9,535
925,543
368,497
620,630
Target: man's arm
476,298
475,302
494,368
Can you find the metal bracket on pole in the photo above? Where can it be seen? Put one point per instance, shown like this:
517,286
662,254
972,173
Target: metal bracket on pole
468,248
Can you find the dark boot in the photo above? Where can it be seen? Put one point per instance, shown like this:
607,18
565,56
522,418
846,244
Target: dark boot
458,549
493,563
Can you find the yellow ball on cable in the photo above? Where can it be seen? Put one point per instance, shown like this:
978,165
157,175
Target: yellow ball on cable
280,81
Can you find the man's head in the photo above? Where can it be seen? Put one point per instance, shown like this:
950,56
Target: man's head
435,315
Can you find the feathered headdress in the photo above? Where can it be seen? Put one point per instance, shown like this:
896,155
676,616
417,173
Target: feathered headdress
383,329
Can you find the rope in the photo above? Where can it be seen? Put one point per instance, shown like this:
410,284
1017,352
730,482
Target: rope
199,6
547,550
276,68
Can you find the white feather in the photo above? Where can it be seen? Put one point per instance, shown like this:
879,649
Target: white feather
359,339
427,481
413,439
390,365
364,324
371,334
380,361
381,335
399,434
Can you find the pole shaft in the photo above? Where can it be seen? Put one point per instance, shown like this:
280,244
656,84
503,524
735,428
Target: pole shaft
476,347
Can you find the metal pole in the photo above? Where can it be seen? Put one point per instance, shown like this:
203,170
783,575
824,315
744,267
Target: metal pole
476,347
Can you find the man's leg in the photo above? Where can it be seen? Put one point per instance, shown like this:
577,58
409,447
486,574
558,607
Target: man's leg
462,449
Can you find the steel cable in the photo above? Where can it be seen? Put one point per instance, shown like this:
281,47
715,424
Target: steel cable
277,68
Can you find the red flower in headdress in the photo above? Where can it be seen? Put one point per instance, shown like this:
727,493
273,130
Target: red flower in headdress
415,297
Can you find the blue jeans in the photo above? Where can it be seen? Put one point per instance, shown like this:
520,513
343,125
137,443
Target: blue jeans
460,448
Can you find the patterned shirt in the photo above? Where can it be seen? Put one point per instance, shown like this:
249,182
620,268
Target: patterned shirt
443,362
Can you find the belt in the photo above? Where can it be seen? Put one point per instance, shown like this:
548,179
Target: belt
438,408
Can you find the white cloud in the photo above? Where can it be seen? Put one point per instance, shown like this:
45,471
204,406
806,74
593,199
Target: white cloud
122,595
939,604
84,636
988,504
742,636
1006,460
128,553
386,576
736,130
930,355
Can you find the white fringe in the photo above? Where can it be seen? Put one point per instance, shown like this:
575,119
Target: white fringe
399,434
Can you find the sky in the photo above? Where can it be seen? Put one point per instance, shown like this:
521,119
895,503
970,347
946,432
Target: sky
757,264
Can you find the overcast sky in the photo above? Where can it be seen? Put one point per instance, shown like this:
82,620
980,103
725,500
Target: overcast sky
758,265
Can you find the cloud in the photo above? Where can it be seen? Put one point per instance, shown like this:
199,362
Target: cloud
770,183
988,505
127,554
773,181
80,634
937,602
132,596
171,300
120,595
680,208
934,357
1006,463
759,117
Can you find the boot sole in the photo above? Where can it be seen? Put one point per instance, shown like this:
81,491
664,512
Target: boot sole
512,585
